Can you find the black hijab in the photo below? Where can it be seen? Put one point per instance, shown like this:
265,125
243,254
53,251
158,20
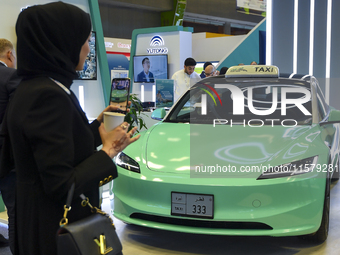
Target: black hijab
50,38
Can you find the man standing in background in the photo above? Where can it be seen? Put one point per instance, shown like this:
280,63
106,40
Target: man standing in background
9,81
204,66
185,78
210,70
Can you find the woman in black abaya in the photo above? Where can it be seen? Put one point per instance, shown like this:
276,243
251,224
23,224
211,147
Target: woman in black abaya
52,143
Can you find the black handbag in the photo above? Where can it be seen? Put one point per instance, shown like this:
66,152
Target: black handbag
92,235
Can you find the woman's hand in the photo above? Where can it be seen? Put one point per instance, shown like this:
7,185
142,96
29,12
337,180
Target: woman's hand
110,108
118,139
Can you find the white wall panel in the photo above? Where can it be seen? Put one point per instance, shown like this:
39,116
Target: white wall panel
282,34
283,38
303,37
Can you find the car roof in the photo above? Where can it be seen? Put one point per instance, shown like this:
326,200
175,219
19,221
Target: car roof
249,82
253,75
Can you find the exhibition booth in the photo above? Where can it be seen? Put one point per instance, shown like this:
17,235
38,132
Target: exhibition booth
165,49
168,47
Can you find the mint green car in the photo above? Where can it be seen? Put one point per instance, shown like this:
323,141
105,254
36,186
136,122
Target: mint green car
249,153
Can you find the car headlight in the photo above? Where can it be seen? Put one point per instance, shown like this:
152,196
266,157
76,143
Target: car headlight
290,169
126,162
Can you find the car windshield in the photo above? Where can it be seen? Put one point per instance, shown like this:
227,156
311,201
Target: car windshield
241,102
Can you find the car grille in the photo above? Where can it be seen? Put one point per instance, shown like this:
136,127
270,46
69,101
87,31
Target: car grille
202,223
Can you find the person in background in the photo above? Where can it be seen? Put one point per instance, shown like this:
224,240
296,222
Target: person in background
50,137
210,70
9,81
145,75
204,66
223,70
185,78
253,63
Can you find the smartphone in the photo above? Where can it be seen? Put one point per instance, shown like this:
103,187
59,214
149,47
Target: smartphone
120,92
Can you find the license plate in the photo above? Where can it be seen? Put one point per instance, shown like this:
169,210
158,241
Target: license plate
192,205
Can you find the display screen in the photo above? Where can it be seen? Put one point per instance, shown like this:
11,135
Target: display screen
148,68
89,71
119,95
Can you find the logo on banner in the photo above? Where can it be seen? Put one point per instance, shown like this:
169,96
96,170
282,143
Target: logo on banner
157,41
109,44
124,45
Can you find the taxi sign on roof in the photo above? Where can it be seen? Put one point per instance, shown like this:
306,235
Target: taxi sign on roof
253,71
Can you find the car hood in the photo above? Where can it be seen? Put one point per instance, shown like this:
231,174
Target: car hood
179,147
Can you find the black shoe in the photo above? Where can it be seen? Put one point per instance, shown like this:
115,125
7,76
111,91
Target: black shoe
3,241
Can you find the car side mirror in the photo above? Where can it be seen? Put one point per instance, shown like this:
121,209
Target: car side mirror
158,114
334,118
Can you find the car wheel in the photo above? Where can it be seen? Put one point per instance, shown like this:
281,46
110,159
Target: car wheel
336,170
322,233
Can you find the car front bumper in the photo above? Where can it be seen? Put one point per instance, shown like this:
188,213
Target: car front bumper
242,206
